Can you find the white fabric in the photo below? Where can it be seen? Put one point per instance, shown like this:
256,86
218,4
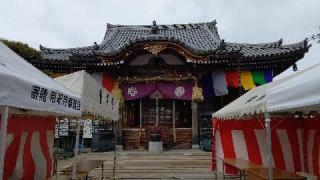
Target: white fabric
86,86
298,92
253,102
17,80
98,77
219,83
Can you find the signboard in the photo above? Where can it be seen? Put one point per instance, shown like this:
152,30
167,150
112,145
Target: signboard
62,128
87,129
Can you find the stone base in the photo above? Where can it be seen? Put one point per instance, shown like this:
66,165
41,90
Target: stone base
195,146
155,146
119,147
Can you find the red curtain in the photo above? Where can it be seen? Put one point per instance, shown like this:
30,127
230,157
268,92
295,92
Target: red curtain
107,82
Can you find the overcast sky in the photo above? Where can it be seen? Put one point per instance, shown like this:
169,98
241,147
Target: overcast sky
71,23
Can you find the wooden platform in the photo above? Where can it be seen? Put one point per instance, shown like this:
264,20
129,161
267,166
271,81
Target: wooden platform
175,164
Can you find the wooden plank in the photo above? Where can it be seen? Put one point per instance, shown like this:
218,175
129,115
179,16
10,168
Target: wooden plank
241,163
262,173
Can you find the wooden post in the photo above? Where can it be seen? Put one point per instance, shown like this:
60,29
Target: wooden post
3,138
119,128
174,120
140,114
140,117
157,111
74,168
195,136
114,169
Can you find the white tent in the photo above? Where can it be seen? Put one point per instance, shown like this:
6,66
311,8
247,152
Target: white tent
96,100
26,90
298,92
24,86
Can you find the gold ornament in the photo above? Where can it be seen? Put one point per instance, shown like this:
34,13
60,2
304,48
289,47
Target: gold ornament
155,48
197,94
117,93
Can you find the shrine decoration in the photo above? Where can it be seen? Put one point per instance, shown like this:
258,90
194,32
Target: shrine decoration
180,91
247,80
197,93
216,83
116,91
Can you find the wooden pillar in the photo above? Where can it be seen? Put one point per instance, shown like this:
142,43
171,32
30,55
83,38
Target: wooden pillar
119,125
157,111
174,121
195,129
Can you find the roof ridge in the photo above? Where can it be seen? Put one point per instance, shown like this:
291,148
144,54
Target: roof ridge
184,25
274,44
303,43
46,49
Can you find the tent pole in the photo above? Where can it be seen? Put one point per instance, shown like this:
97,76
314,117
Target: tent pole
268,144
74,169
3,137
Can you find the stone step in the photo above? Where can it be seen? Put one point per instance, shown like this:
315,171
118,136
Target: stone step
176,164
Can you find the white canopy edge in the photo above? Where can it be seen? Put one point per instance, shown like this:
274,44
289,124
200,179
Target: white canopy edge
297,92
89,90
26,88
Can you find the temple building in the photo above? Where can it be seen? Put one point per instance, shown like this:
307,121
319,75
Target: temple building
173,77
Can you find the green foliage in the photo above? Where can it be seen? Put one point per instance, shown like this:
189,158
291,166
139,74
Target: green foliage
23,50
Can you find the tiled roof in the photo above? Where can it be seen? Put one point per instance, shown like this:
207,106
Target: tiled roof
268,49
198,38
63,54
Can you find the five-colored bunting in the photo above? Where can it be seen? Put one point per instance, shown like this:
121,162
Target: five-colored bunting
217,83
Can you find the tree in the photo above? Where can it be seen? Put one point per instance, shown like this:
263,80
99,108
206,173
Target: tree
23,50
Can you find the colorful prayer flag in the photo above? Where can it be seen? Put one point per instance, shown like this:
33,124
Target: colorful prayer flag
268,75
232,78
246,80
258,77
219,83
207,85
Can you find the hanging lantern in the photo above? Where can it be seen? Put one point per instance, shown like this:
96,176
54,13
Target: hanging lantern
197,93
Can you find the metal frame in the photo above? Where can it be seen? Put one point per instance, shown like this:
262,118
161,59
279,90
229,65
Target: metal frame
3,137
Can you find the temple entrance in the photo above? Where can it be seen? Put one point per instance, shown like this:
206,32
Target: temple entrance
165,113
173,119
